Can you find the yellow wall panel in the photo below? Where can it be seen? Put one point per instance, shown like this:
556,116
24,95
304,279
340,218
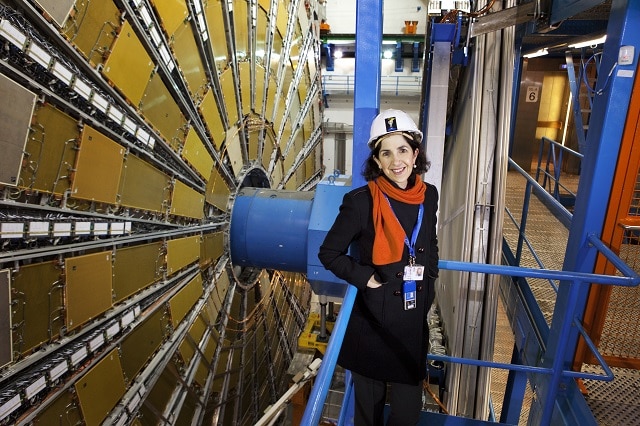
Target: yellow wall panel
245,87
37,295
135,268
189,345
63,407
182,252
241,14
271,99
197,155
186,51
98,167
143,186
136,349
186,201
282,18
88,287
261,35
265,4
163,112
92,28
106,380
229,93
211,248
267,153
159,395
49,159
172,13
234,150
215,23
253,145
209,110
183,301
259,99
128,65
276,52
217,191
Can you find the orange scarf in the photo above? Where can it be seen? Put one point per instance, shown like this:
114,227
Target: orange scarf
388,244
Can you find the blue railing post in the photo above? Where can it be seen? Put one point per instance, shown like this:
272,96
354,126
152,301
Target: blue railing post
313,411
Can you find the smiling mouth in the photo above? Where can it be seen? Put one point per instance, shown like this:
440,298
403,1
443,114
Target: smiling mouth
398,171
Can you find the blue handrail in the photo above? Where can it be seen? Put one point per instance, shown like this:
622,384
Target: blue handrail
320,390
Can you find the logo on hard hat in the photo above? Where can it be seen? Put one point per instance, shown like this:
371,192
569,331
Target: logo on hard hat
391,124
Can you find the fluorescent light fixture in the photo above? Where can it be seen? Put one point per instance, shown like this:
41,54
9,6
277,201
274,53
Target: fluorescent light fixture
539,52
39,55
12,34
592,42
62,72
388,54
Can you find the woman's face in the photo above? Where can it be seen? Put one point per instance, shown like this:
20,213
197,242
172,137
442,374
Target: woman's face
396,159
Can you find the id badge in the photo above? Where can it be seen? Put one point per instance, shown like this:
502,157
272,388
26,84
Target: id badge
409,295
413,272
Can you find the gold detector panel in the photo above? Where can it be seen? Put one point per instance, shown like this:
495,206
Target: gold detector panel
63,411
138,347
197,155
50,152
100,389
217,191
143,186
172,13
92,28
183,301
182,252
37,311
88,287
15,118
135,268
6,349
186,201
229,93
159,107
245,86
215,24
209,110
129,66
98,168
186,51
211,248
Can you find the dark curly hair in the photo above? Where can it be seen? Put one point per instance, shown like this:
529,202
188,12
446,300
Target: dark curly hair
371,170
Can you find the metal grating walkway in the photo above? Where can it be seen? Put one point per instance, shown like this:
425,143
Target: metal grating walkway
612,403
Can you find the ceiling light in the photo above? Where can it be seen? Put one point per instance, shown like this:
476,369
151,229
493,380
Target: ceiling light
388,54
337,54
539,52
592,42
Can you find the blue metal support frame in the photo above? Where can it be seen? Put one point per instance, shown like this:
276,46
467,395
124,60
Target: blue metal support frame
368,70
415,60
574,87
613,88
399,58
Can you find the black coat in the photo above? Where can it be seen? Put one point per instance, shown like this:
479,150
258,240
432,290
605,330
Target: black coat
382,340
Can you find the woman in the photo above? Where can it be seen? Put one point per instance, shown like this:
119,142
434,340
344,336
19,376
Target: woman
394,263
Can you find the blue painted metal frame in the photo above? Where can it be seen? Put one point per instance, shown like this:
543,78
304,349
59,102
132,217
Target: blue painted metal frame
601,155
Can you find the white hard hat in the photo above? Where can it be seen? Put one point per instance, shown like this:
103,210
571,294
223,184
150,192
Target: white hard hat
392,121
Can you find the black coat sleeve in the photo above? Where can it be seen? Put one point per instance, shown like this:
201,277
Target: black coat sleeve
346,229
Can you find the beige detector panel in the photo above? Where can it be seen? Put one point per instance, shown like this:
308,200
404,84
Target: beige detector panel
15,119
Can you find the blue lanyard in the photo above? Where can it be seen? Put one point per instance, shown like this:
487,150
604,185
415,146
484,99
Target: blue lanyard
414,235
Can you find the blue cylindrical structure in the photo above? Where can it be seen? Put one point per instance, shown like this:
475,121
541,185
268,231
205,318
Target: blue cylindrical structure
269,229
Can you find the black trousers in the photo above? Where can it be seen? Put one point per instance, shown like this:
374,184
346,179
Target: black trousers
370,398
